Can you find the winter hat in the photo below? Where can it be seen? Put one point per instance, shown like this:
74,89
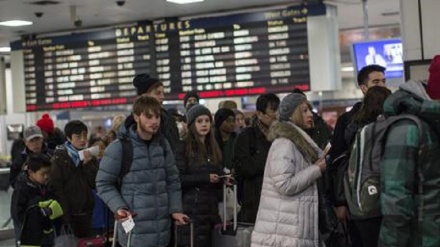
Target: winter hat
189,95
221,115
31,132
289,104
46,124
196,111
434,78
143,82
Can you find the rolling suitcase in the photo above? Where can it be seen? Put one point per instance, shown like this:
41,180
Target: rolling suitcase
235,234
176,239
115,236
176,235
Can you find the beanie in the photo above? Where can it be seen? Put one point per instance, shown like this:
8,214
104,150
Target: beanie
221,115
46,124
143,82
289,104
189,95
433,88
196,111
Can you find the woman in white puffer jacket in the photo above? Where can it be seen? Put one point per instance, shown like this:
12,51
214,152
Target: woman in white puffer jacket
288,212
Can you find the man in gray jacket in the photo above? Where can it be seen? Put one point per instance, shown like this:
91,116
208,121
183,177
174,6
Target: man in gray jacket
150,192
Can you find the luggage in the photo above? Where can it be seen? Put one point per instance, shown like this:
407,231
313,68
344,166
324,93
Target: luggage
176,239
235,234
176,235
115,236
99,241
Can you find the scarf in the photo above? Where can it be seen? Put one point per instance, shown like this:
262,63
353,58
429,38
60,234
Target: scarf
256,123
73,153
302,140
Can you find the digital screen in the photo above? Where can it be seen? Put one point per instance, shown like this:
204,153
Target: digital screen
234,55
386,53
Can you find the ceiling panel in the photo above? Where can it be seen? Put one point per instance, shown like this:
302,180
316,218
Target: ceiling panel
96,13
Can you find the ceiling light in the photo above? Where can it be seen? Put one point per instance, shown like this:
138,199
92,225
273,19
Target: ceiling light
5,49
347,69
15,23
184,1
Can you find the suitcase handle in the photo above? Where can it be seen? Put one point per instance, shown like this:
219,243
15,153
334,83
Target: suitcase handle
234,188
115,235
191,227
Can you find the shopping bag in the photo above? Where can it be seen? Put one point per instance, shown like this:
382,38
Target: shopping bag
230,204
66,238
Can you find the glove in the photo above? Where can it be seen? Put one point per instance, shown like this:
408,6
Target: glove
45,204
56,209
51,208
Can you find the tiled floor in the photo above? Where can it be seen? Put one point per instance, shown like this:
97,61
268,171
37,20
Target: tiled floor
7,243
5,202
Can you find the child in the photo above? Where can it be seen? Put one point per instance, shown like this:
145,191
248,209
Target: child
33,206
73,179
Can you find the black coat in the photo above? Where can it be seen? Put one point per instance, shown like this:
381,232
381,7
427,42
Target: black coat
339,146
168,128
19,160
200,197
251,149
26,212
73,187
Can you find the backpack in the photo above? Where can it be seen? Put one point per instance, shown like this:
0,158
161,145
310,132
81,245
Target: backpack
127,155
362,176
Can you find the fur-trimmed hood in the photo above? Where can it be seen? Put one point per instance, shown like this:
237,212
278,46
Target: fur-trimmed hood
300,138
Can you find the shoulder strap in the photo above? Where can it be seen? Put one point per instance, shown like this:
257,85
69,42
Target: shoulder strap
127,157
163,144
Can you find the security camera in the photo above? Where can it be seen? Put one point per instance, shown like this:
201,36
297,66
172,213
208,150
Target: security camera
38,14
120,2
77,23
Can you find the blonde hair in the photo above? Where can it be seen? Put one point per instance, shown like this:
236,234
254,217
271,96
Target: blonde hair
117,122
230,104
298,117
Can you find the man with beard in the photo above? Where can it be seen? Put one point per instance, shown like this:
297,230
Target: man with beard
150,191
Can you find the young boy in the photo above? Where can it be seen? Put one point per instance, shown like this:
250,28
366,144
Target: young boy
33,206
73,179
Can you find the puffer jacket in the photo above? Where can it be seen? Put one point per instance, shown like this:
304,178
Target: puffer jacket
200,196
411,216
151,188
288,211
73,185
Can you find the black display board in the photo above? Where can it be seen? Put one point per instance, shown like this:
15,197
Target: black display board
232,55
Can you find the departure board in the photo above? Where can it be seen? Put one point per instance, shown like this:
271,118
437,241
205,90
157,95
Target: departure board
232,55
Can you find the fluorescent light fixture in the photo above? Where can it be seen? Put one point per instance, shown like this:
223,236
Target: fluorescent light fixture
184,1
347,69
5,49
15,23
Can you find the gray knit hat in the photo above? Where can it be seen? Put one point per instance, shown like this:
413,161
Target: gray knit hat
289,104
196,111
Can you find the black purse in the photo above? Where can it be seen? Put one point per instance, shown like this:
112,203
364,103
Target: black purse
333,232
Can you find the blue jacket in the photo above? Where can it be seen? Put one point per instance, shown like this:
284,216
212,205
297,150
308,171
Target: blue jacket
151,188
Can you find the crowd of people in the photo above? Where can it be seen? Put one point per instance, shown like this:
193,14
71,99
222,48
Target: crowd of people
157,174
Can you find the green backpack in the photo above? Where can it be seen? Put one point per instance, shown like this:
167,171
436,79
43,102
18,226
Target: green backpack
362,178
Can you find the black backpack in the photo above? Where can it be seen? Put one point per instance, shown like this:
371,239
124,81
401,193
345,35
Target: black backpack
127,155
